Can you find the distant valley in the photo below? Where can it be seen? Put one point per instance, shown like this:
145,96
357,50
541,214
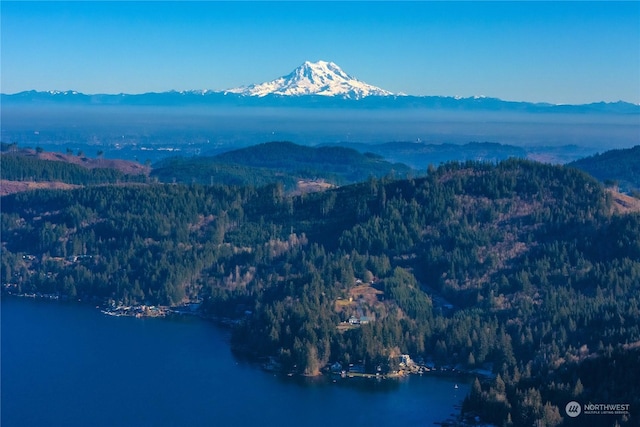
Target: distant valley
153,133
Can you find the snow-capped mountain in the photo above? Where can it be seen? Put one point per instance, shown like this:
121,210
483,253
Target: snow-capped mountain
314,78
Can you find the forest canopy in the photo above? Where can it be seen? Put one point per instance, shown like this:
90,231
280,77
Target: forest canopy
517,266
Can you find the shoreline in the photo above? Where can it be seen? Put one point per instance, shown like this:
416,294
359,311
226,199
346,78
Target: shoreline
269,363
109,309
326,374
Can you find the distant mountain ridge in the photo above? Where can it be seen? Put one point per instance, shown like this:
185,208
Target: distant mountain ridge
320,84
226,99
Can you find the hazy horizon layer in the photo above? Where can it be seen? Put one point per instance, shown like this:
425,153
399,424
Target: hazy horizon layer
242,126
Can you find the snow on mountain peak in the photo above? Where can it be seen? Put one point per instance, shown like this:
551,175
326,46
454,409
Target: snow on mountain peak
314,78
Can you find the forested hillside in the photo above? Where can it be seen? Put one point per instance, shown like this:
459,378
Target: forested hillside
619,167
29,165
278,162
519,266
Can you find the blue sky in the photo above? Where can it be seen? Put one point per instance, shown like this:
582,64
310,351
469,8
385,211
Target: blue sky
573,52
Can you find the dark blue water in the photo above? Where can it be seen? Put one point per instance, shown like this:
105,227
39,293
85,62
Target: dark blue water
66,364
